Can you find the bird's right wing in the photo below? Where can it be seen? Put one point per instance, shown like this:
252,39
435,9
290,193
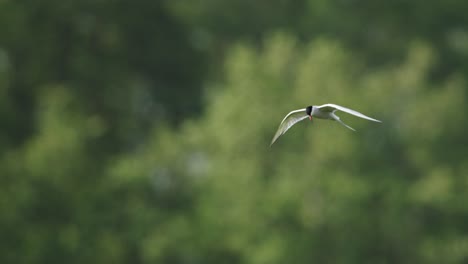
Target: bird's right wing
289,120
333,107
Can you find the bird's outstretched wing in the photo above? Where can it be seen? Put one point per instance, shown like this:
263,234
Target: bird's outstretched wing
289,120
333,107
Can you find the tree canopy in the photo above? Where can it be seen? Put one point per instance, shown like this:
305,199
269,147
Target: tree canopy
138,132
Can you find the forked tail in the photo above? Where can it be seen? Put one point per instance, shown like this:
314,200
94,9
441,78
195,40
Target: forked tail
337,118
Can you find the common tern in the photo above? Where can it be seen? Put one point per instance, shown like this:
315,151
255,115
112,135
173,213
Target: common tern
326,111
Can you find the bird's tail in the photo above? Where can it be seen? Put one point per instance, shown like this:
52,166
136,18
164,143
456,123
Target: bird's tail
337,118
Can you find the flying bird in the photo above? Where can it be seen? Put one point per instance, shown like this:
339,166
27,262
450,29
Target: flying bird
326,111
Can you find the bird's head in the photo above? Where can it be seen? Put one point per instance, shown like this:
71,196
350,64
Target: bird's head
309,112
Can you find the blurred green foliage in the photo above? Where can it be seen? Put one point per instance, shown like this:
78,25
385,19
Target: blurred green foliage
138,132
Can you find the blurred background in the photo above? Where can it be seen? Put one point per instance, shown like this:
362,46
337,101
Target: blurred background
138,131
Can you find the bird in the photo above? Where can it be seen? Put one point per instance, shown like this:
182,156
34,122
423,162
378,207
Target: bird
326,111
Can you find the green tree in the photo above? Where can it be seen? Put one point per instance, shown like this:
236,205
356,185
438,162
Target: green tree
130,63
380,31
93,169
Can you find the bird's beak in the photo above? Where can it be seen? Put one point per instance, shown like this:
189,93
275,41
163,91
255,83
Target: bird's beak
310,117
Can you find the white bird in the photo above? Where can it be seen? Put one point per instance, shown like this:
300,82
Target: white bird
326,111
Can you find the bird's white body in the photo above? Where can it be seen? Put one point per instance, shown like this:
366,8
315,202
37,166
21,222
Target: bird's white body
326,111
319,114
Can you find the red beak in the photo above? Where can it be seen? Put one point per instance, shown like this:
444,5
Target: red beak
310,117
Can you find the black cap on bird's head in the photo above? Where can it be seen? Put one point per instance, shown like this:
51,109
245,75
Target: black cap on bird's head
309,112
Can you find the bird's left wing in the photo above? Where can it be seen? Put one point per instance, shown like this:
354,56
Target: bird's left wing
333,107
289,120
